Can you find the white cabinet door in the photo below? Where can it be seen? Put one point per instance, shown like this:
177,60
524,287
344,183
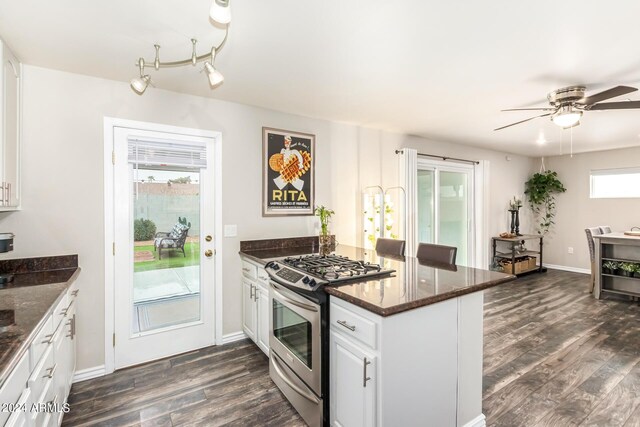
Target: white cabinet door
11,111
249,315
353,384
264,314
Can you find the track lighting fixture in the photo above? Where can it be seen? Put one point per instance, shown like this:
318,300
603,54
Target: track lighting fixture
221,14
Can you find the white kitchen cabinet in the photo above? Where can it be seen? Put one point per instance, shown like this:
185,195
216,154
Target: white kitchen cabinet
45,372
256,306
249,312
353,383
10,129
263,313
423,364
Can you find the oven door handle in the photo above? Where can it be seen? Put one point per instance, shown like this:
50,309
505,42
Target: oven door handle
283,376
277,291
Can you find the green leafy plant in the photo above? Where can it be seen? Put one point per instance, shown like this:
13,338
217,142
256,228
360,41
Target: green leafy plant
610,267
143,229
325,216
541,189
627,268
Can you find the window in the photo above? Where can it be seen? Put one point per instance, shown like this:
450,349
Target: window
615,183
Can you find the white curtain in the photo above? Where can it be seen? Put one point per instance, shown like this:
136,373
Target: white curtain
409,181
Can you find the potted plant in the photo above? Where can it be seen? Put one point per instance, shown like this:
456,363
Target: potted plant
541,189
609,267
636,272
325,216
627,268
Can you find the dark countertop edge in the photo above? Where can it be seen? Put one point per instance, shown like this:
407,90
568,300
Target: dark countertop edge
253,258
4,374
388,311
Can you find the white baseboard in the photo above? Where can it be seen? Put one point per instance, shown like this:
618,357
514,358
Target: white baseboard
235,336
479,421
566,268
87,374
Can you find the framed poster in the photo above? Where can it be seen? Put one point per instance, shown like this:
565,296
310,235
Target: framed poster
288,181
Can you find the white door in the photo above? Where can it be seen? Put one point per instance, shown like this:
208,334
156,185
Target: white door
445,207
353,396
164,263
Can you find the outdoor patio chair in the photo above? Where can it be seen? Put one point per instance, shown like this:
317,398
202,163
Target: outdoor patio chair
175,239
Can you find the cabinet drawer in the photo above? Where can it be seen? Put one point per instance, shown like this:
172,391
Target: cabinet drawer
353,325
40,417
20,417
41,342
60,311
14,386
263,277
44,370
249,270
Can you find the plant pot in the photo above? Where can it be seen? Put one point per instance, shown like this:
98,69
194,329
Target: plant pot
324,240
636,274
625,273
607,271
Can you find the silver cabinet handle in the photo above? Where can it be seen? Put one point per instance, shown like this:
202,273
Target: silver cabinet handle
245,269
365,378
75,292
346,325
51,371
255,294
3,193
49,339
251,291
9,196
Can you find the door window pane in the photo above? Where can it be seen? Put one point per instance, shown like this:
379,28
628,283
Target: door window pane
166,248
454,209
293,331
425,206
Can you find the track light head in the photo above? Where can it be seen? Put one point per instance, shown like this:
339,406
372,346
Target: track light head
139,84
220,12
215,76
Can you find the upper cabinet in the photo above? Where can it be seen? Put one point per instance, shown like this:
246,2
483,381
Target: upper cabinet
10,129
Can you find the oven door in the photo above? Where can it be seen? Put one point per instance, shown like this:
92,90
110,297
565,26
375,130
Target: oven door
295,334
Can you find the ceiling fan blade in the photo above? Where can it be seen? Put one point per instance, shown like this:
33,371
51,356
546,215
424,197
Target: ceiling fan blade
623,105
522,121
607,94
530,109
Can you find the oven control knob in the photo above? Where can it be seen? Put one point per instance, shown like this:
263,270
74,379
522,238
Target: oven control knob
270,264
305,280
312,283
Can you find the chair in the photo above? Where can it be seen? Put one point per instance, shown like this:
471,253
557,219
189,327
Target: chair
593,231
175,239
437,253
391,247
604,229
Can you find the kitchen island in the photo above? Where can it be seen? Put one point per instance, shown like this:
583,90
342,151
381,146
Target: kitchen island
405,349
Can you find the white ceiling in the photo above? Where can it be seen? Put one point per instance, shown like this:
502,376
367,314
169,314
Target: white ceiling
439,69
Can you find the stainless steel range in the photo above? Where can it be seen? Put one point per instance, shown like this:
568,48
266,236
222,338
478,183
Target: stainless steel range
299,327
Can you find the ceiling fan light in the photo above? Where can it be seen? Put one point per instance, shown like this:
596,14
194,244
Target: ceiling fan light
567,117
220,12
139,84
215,76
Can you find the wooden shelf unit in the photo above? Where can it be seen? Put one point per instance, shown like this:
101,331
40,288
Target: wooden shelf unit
617,248
512,254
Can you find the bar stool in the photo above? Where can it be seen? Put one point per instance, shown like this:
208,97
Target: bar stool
437,253
391,247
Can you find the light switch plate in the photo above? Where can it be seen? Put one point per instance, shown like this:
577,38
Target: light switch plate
230,230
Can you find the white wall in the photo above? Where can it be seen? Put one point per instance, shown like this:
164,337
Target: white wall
63,178
576,211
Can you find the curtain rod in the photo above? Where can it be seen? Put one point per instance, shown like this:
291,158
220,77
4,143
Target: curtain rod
475,162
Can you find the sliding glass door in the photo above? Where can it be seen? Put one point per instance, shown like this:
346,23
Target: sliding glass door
445,207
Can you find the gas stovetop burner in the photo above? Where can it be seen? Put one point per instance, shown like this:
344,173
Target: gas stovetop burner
332,267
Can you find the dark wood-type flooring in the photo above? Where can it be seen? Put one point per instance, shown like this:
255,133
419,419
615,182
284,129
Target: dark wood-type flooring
554,356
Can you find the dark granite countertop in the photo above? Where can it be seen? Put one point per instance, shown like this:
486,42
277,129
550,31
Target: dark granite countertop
27,301
413,284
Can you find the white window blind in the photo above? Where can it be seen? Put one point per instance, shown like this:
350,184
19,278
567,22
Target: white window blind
615,183
164,153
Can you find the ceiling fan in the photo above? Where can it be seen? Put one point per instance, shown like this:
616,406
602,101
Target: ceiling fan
567,105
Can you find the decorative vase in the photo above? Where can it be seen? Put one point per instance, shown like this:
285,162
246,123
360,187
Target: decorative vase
513,220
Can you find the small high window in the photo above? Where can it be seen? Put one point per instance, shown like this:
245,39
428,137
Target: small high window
615,183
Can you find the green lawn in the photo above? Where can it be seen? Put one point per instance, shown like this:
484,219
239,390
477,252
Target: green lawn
171,258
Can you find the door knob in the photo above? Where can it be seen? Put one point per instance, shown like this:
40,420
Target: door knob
208,253
208,238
